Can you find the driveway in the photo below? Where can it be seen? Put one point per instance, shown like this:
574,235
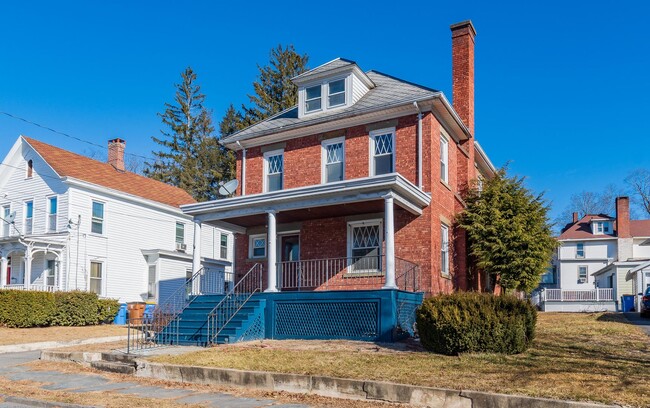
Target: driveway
12,369
642,322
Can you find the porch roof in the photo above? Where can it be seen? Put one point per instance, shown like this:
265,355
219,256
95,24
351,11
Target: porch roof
322,200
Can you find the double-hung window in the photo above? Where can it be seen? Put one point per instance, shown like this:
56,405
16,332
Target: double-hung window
52,210
6,224
313,98
180,233
223,247
333,160
582,273
336,93
274,170
580,250
96,276
257,246
382,145
29,217
444,159
97,222
444,249
364,245
151,282
50,277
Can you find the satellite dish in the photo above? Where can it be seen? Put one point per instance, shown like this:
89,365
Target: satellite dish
11,218
228,188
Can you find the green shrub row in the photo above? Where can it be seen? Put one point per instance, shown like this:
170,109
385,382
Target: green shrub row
19,308
475,322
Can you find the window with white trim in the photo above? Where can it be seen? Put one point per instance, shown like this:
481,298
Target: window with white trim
444,249
6,225
151,282
444,159
333,159
580,250
96,276
223,246
382,145
364,245
273,170
97,222
50,272
336,93
180,233
313,101
29,217
257,246
52,210
582,274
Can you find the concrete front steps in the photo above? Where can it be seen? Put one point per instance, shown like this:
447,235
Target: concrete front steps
192,326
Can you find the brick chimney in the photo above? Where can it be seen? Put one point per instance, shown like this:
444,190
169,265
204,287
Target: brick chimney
575,217
116,153
462,71
623,217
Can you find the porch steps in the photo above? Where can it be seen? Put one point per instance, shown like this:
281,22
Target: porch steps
192,328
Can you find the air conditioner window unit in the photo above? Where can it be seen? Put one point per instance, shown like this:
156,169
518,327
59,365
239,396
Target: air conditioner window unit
181,246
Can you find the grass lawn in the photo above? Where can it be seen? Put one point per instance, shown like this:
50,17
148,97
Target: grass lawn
39,334
596,357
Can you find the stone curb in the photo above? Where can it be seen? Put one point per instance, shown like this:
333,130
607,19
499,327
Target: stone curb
329,386
40,404
17,348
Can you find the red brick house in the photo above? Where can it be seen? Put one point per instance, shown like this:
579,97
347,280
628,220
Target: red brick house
364,176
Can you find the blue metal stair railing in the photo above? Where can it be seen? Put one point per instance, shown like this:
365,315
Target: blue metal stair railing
234,301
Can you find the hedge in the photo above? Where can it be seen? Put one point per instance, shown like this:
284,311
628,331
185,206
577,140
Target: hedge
19,308
475,322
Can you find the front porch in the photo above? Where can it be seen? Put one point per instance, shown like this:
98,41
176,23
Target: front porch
587,300
32,262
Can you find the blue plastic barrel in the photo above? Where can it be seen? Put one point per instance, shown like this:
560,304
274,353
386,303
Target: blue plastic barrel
627,303
148,312
120,318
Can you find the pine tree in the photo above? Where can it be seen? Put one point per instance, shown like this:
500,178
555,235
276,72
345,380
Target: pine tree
232,121
509,232
190,157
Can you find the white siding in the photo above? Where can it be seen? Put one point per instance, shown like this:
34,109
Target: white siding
358,89
641,250
594,249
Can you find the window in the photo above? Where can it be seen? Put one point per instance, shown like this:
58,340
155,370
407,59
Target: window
313,98
50,275
479,184
274,169
444,249
606,227
96,277
336,93
257,246
223,248
97,225
582,274
6,225
444,159
364,245
382,151
30,169
599,227
180,233
549,276
151,282
29,217
333,160
580,250
52,209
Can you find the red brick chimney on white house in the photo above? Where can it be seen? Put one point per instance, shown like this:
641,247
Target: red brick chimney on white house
623,217
116,153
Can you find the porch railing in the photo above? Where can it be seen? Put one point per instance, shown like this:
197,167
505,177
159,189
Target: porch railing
350,273
578,295
234,300
41,288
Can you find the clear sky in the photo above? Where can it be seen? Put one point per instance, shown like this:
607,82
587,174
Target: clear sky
561,86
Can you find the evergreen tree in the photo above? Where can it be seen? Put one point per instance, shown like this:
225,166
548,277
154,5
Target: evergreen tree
508,232
190,157
232,121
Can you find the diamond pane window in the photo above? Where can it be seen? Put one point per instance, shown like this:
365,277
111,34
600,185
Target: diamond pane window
366,247
313,98
336,95
334,162
257,246
383,153
275,169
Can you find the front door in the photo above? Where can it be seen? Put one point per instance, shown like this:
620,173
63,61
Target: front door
289,269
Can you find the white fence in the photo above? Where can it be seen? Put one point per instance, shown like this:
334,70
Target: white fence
589,295
42,288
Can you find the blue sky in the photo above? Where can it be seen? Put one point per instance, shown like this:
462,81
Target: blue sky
561,87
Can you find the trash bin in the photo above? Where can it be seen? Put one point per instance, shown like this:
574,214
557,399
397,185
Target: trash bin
627,303
120,318
148,312
136,311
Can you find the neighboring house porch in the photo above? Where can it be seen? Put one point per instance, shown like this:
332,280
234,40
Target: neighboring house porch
576,300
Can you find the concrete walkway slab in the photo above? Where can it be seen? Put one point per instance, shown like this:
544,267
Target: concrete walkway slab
18,348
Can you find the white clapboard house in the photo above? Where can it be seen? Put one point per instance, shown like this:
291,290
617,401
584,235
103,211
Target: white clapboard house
68,222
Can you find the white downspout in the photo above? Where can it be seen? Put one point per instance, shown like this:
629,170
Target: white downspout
419,142
243,169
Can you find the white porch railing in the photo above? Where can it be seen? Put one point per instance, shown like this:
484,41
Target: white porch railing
41,288
583,295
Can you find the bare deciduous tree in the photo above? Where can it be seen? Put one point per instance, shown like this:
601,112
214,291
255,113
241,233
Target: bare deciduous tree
639,182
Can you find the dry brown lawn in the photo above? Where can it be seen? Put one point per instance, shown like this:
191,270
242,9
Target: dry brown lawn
589,357
39,334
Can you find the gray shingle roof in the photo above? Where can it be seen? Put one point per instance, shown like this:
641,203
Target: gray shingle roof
389,91
328,66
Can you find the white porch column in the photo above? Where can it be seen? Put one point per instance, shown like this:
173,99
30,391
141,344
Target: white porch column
196,256
271,237
389,228
3,271
28,267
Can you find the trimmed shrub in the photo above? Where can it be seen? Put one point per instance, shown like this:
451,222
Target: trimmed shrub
20,308
475,322
107,310
75,309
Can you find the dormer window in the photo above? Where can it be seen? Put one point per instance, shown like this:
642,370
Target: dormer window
313,99
601,227
336,93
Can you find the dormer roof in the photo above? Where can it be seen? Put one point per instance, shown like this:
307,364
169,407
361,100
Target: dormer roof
332,68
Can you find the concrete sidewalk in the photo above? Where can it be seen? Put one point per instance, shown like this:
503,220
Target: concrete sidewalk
11,368
17,348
